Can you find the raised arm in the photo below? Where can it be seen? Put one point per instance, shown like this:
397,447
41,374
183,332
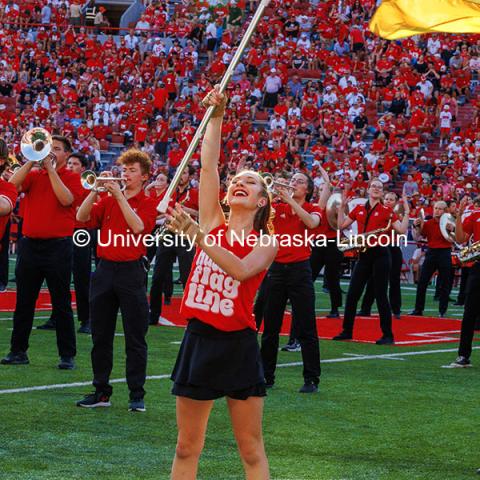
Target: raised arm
402,226
210,212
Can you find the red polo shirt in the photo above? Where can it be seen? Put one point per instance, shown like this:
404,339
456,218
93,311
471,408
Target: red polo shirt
288,227
471,226
9,192
44,216
378,218
435,239
108,217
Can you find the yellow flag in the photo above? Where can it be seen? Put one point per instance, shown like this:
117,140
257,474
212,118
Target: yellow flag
404,18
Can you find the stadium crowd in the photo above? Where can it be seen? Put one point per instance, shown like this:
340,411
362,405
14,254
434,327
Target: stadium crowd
314,88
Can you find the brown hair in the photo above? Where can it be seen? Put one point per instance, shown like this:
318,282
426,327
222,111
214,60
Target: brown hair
3,150
134,155
67,146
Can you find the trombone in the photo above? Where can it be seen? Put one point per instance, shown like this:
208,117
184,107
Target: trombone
36,146
90,181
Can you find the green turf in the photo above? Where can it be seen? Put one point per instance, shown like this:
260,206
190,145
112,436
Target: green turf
373,419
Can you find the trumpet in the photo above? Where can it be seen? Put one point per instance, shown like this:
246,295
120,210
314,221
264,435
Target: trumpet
470,253
90,181
274,186
36,146
360,241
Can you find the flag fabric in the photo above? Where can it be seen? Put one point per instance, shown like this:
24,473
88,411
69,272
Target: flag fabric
404,18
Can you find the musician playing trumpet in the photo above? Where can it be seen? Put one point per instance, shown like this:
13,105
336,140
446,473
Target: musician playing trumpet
464,230
438,257
374,261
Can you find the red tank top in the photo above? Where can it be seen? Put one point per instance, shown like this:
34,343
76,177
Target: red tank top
214,297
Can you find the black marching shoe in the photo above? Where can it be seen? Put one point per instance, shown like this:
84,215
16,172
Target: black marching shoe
333,314
309,387
363,313
66,363
85,328
397,316
442,314
459,304
417,313
343,336
167,301
94,400
385,341
19,358
461,362
136,405
47,326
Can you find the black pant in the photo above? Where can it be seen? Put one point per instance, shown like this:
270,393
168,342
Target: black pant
40,260
291,281
394,293
375,262
82,269
435,259
463,285
470,314
117,285
162,272
329,257
4,245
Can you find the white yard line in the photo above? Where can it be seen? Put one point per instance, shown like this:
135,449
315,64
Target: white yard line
350,358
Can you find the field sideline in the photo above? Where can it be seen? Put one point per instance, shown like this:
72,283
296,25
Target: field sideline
382,413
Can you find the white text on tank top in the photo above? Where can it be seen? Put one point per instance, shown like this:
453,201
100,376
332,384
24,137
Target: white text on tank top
210,289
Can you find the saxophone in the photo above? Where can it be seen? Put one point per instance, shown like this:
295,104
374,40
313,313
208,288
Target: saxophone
359,243
470,253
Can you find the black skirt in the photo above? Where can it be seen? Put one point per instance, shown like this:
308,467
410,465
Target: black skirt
212,364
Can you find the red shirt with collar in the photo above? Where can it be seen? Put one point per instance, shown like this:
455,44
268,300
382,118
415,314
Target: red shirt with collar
8,191
379,217
471,226
435,239
108,217
44,216
288,226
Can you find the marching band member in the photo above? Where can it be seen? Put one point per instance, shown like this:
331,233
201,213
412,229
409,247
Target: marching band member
290,277
219,355
375,261
469,228
438,257
82,261
119,280
45,250
394,291
328,256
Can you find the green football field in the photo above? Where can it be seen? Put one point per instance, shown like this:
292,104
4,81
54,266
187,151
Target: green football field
377,415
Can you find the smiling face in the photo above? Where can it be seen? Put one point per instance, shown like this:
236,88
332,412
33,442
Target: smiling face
247,190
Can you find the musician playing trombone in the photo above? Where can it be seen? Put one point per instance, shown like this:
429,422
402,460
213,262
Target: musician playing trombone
464,230
375,261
